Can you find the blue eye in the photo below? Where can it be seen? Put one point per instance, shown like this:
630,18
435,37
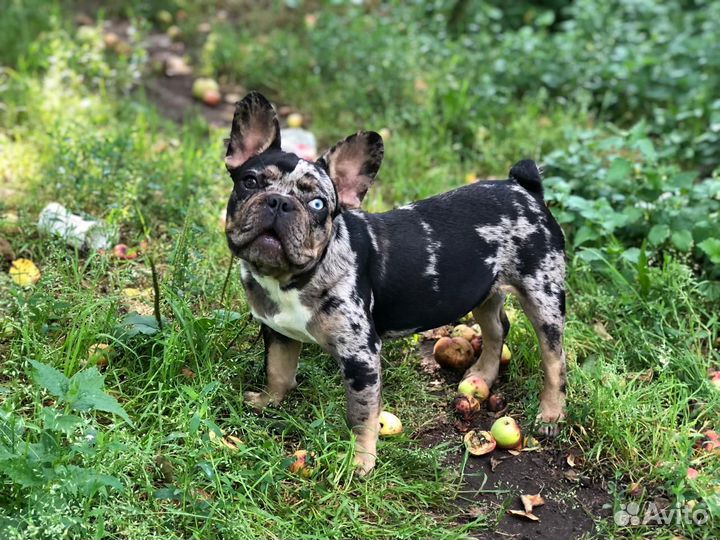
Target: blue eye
317,204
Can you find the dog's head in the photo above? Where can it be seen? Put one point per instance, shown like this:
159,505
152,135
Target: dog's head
281,209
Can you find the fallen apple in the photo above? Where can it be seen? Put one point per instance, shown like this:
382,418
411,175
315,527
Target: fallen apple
715,379
202,85
24,272
463,331
711,442
466,406
212,98
295,120
479,443
301,465
507,433
505,356
454,353
692,474
496,402
474,386
389,424
476,344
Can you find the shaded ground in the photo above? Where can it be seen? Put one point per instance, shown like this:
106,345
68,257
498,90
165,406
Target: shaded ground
573,503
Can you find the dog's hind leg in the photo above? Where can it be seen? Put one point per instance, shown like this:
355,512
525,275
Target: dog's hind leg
491,317
545,307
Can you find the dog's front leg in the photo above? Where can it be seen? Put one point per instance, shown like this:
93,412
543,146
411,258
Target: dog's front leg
363,388
281,361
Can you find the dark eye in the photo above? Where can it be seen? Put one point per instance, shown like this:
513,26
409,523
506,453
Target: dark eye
317,204
250,182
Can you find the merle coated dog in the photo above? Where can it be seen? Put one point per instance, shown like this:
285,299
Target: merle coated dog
317,269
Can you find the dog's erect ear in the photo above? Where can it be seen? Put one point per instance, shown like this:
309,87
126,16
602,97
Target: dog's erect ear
255,128
352,165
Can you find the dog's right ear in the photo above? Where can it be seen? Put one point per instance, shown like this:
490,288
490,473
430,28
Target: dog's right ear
255,128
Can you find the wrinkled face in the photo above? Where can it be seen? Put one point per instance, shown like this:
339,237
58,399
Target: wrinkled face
279,216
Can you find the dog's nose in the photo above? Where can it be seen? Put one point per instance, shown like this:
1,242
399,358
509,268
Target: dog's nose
281,203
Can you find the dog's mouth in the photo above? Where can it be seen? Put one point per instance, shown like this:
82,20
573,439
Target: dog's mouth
269,242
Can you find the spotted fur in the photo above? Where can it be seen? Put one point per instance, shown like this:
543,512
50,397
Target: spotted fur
346,279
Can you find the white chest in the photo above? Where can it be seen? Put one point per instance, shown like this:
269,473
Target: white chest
292,316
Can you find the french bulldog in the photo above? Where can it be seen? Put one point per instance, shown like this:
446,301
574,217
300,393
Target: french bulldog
317,269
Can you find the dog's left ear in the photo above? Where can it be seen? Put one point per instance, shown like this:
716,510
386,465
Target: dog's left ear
352,165
255,128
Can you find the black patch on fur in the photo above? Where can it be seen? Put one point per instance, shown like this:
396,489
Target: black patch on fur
330,304
358,374
552,334
561,301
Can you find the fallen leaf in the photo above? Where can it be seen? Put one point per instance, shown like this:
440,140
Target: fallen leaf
236,440
189,373
514,452
531,444
635,489
570,460
494,462
571,475
529,501
476,512
24,272
528,515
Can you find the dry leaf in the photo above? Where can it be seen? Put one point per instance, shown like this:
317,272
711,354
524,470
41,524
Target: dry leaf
529,501
531,444
189,373
514,452
235,440
476,512
494,462
570,460
228,444
528,515
24,272
601,331
571,475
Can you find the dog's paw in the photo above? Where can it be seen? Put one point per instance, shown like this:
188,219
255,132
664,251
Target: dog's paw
364,463
549,427
257,400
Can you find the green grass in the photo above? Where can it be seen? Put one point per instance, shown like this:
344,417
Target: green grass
72,131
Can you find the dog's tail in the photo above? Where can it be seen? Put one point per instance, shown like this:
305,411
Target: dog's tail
528,175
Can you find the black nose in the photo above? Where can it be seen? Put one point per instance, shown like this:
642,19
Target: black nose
281,203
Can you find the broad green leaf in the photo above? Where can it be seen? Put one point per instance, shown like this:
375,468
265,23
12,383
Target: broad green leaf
88,394
620,171
658,234
682,240
585,234
711,248
134,324
50,378
647,149
631,255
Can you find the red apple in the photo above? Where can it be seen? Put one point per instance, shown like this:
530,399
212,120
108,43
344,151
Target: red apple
495,403
466,406
474,386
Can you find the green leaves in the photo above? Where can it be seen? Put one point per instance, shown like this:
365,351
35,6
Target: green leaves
711,248
83,392
658,234
134,323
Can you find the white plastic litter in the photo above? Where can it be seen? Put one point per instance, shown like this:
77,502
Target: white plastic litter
76,230
299,141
